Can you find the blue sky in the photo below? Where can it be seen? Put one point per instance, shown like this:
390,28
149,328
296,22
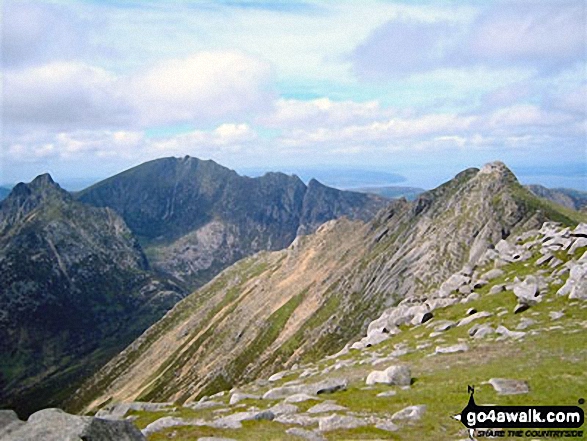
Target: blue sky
419,88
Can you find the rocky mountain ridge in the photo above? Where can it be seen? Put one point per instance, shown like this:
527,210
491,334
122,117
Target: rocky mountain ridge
284,308
75,288
195,218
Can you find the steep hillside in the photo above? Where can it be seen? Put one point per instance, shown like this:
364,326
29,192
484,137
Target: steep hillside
278,309
195,218
74,290
567,197
515,330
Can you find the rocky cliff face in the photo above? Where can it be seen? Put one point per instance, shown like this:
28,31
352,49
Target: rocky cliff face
278,309
196,217
74,289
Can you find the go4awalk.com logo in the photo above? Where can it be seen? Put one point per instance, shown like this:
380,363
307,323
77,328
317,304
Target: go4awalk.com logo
521,421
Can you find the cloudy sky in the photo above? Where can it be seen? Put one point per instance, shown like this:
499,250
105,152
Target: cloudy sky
419,88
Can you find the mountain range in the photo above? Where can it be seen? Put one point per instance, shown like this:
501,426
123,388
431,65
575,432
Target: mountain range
82,275
290,307
195,218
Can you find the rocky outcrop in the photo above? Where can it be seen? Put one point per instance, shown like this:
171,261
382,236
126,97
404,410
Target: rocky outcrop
56,425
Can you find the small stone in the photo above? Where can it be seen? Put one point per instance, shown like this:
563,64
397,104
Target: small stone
555,315
389,393
278,376
502,330
492,274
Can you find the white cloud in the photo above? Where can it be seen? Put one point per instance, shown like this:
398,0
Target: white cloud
203,87
62,94
527,115
322,111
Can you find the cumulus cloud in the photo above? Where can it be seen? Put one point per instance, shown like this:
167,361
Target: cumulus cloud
39,32
205,86
201,89
323,111
538,35
63,94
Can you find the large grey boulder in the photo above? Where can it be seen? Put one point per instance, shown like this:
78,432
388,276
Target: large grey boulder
56,425
393,375
9,422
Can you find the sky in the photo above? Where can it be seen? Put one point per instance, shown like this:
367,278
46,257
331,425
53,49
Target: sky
422,89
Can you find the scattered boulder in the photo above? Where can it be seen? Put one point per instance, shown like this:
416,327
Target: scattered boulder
525,323
422,317
283,409
388,426
555,315
393,375
473,317
527,291
166,422
236,397
389,393
496,289
234,421
323,387
481,330
452,284
505,332
505,386
278,376
492,274
326,407
460,347
305,434
521,307
298,398
444,325
338,422
410,413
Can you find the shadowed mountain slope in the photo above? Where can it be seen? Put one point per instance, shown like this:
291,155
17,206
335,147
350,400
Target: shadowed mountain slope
74,290
194,217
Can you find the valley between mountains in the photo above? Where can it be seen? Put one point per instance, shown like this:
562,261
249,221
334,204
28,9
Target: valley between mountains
318,314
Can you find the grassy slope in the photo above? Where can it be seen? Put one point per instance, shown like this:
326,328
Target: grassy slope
551,358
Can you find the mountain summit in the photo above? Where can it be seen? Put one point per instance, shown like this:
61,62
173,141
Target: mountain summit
195,217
